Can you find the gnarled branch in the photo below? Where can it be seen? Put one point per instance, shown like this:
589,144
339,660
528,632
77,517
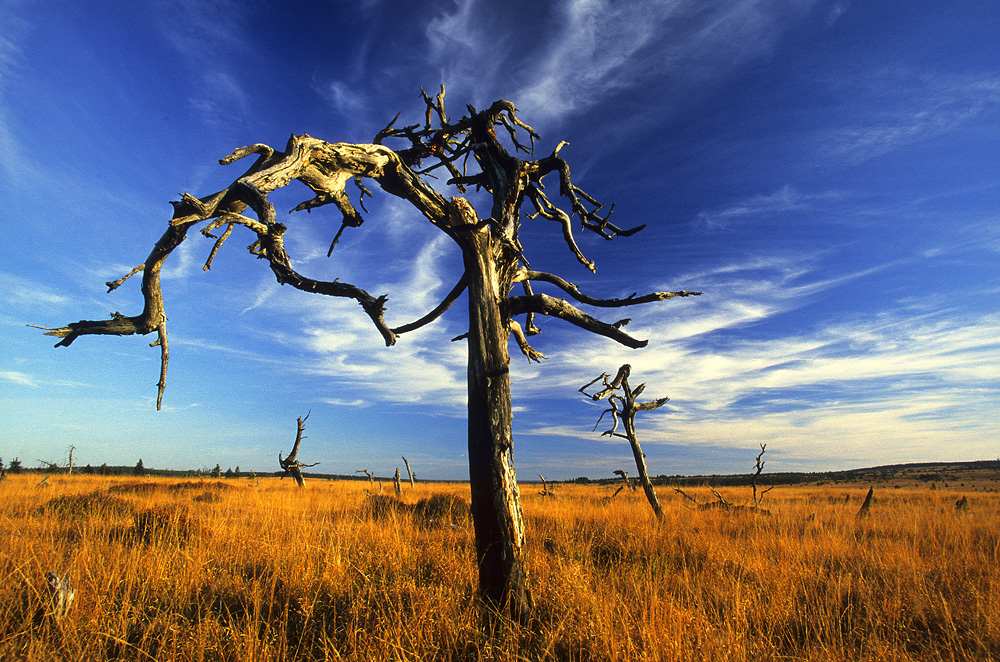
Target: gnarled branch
543,304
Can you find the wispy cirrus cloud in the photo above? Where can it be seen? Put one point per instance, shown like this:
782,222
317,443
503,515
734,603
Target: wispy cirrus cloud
208,35
599,47
786,200
20,291
18,378
588,49
14,29
912,107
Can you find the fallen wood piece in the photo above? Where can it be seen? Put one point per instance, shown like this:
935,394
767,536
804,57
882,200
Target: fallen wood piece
61,593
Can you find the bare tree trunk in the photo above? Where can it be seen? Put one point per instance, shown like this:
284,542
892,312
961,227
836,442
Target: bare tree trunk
640,464
408,472
496,507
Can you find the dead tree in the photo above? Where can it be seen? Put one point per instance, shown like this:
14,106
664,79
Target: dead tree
545,487
395,484
70,462
290,465
623,409
371,478
408,472
759,467
470,150
867,505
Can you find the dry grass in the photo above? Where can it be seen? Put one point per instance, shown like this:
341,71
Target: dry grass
265,571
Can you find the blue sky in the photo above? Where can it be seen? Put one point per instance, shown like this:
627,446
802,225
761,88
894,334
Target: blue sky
826,172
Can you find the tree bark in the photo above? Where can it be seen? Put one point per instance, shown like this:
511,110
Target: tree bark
496,507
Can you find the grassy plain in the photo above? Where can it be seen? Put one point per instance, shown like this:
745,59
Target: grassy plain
259,570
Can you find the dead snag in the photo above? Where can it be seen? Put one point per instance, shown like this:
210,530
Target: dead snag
759,466
395,484
545,487
290,465
408,472
866,506
371,478
623,409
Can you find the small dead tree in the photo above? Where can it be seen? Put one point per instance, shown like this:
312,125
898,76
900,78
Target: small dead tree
867,505
408,472
545,487
623,409
371,478
759,467
395,484
70,462
290,465
481,149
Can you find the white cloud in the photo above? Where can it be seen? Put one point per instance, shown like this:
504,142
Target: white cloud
916,381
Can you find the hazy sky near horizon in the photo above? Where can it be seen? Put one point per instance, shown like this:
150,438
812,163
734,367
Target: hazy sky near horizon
826,172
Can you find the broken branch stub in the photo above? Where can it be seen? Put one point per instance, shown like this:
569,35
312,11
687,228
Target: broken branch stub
61,593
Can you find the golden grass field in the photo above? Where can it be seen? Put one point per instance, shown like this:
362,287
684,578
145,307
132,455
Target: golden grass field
169,569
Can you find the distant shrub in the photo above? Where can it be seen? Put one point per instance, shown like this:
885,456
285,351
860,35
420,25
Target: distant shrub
380,506
170,522
135,487
443,509
200,485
